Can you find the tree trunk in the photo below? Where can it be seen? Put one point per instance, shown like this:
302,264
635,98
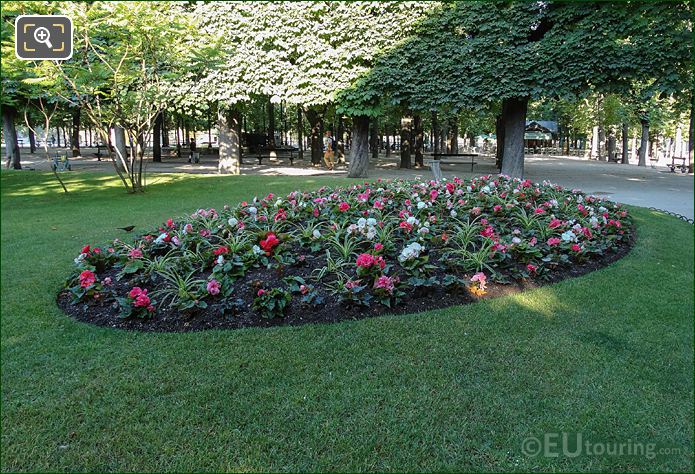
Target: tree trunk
625,138
9,114
340,142
644,142
58,137
229,139
419,141
271,125
156,135
359,151
406,144
32,141
65,138
119,142
387,133
453,144
514,121
610,147
499,133
601,141
314,119
374,137
435,133
300,137
75,139
165,130
691,162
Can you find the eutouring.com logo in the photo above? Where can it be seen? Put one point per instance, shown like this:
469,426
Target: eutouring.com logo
571,445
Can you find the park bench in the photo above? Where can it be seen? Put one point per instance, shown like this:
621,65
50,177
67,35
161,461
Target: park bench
288,152
673,166
435,163
61,162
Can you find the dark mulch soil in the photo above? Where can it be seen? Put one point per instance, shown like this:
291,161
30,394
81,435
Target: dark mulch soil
330,311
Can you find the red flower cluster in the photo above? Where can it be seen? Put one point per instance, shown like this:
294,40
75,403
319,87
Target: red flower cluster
269,243
87,278
221,250
343,206
367,260
140,298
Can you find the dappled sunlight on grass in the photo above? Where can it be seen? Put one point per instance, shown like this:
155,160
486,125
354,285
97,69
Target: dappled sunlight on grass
542,301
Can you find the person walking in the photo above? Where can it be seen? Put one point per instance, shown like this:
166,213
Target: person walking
329,150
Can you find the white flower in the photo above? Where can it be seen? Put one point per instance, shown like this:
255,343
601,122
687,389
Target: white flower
594,222
424,230
161,238
361,222
278,202
316,234
78,260
176,241
233,221
371,221
220,260
410,251
516,240
421,205
568,236
453,213
486,189
253,210
256,249
412,220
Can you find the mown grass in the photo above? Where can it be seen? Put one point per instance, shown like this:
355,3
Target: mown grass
608,355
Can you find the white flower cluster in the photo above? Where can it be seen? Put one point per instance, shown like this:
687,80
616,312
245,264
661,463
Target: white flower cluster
366,227
410,251
569,236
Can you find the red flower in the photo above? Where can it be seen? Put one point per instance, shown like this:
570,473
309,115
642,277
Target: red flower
553,241
378,247
170,223
87,278
488,231
136,291
269,243
343,206
261,292
365,260
142,301
221,250
86,249
555,223
531,268
433,195
576,248
281,215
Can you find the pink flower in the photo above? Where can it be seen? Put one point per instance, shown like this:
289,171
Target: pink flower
481,279
553,241
555,223
539,210
475,211
343,206
87,278
378,205
303,289
281,215
533,241
488,231
213,287
107,281
531,268
576,248
385,283
142,301
136,291
433,195
365,260
450,187
378,247
260,293
497,208
316,212
170,223
221,250
135,253
204,233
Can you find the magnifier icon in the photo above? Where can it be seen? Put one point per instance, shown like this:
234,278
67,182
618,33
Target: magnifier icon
42,35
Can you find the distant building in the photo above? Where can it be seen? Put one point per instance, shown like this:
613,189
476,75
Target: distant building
540,133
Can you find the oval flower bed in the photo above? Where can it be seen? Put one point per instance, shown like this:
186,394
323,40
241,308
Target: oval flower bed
346,253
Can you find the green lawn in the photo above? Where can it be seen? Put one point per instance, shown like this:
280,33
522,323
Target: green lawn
608,355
